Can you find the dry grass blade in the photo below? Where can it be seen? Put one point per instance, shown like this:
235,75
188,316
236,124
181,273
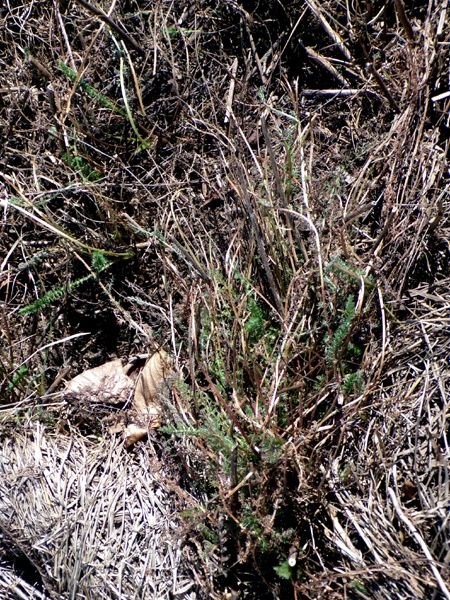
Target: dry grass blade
316,9
418,538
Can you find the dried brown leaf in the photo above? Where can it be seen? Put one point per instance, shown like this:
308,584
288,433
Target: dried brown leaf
146,405
134,433
150,384
113,383
106,384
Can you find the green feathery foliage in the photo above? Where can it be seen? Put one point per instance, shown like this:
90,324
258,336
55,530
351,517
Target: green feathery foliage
53,296
90,90
81,166
17,378
99,263
284,570
334,345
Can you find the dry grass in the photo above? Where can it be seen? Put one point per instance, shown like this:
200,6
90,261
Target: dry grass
89,519
262,191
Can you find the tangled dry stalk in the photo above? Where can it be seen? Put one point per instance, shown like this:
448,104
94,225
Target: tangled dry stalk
261,189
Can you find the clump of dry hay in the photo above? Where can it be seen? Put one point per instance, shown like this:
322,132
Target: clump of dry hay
390,503
389,476
88,520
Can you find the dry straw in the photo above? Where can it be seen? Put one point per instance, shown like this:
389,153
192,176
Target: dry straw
88,520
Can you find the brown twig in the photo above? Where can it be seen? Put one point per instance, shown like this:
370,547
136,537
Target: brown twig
383,87
316,9
117,28
261,246
400,9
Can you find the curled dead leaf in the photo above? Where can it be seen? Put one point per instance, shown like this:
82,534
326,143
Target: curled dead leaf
146,401
107,384
151,382
113,383
134,433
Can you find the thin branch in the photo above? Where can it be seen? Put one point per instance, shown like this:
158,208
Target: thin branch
400,9
117,28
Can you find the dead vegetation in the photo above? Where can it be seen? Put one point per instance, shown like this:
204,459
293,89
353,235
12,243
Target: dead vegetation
82,518
261,190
